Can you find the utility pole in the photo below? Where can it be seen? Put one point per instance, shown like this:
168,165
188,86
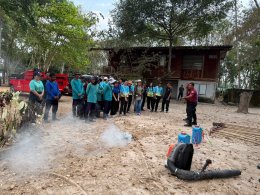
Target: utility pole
237,45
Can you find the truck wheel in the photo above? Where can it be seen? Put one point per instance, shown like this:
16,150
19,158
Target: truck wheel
12,89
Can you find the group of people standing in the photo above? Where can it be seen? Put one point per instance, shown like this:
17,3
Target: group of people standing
95,95
43,93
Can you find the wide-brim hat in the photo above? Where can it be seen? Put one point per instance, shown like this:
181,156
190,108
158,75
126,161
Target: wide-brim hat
112,81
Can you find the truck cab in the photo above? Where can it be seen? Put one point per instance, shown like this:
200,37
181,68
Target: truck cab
21,82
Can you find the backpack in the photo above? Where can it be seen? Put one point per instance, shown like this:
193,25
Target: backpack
182,155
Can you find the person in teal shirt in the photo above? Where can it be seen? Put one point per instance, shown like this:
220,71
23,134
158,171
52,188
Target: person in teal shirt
124,93
36,96
130,96
77,94
107,91
158,91
91,91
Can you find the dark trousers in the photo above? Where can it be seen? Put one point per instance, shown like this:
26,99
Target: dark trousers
114,106
34,107
91,108
98,110
123,105
149,102
76,106
157,101
107,107
143,102
191,111
54,104
130,98
167,103
101,105
180,96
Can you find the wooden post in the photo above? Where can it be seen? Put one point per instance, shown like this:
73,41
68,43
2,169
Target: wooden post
245,99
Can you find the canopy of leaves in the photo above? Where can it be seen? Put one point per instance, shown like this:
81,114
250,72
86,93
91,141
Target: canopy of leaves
248,49
45,33
168,19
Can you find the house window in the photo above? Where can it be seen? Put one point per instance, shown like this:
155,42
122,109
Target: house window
213,57
192,62
203,89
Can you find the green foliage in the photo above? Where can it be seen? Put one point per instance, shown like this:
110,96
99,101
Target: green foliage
46,33
248,46
168,20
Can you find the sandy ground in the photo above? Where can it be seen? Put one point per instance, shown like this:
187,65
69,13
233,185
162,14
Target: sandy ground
4,89
72,157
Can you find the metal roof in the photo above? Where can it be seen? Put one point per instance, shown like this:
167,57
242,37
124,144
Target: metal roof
215,47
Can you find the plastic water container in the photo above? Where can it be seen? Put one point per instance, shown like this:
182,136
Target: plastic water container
196,134
184,138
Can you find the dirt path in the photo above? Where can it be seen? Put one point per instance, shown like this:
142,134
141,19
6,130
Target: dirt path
71,157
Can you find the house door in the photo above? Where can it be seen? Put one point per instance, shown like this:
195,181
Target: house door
175,89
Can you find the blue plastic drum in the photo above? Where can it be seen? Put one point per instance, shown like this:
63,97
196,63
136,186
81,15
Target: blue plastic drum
196,134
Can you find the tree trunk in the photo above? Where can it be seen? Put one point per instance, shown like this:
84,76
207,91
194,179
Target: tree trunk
256,4
170,57
245,99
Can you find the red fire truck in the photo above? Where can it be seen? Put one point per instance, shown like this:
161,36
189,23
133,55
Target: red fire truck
21,82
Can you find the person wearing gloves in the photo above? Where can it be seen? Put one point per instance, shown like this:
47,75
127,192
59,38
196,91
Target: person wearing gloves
91,92
107,91
115,99
158,95
124,93
138,97
52,97
130,96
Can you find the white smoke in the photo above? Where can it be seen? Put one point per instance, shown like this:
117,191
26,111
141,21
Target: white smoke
113,137
28,154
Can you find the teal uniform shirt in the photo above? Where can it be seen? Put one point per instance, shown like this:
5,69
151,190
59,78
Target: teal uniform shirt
124,91
150,91
77,88
92,91
36,86
99,94
158,91
108,92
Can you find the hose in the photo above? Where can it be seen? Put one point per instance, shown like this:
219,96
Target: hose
196,176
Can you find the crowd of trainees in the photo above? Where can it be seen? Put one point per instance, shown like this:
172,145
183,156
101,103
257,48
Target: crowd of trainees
90,97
